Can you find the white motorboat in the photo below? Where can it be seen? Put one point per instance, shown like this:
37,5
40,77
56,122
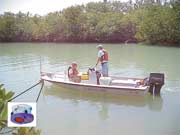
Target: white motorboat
112,84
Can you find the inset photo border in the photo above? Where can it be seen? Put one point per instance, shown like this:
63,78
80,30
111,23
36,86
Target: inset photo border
22,114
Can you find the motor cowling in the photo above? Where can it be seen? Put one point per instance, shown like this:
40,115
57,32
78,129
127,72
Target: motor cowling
156,81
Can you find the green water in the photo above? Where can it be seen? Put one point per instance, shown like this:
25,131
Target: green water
72,112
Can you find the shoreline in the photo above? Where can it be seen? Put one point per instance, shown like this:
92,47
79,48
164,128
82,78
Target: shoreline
112,43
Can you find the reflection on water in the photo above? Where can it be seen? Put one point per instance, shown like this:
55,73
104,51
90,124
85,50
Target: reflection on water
104,99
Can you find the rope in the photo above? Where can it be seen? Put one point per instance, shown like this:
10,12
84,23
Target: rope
40,91
27,90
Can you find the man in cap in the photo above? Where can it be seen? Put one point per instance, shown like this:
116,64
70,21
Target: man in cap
103,58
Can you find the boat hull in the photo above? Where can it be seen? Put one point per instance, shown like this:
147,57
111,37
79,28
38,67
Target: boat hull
102,89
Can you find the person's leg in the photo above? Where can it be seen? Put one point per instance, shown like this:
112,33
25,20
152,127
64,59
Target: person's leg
105,69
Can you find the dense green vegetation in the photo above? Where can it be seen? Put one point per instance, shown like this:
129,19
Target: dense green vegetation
153,21
4,98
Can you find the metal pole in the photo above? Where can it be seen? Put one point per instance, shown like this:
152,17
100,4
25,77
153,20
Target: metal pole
40,66
153,91
40,91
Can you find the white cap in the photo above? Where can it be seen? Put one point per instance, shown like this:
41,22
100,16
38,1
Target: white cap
99,46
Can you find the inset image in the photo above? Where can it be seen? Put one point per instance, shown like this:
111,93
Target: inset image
21,114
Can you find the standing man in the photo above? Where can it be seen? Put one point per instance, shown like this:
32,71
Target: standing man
103,58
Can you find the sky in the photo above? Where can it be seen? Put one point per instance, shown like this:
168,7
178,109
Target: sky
40,7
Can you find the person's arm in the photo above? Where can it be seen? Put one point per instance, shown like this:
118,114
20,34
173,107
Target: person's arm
98,61
100,54
70,73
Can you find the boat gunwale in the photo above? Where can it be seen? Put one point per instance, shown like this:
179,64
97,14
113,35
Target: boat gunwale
117,77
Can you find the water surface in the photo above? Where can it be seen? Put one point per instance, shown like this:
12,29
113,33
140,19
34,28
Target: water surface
67,112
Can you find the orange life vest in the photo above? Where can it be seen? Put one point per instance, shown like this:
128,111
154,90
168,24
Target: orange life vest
104,57
74,71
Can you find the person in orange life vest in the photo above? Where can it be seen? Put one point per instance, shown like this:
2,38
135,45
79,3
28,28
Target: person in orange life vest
103,58
73,73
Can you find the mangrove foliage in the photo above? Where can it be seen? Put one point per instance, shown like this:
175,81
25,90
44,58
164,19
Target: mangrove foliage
153,21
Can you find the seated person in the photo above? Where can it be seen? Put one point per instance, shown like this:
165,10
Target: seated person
73,73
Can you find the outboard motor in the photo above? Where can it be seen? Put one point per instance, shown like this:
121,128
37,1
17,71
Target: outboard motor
156,81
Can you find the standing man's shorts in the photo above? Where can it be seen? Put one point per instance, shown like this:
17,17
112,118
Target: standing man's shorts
105,69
